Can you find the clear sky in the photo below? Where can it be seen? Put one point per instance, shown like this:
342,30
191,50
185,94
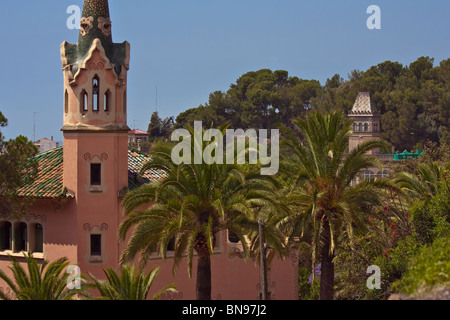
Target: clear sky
190,48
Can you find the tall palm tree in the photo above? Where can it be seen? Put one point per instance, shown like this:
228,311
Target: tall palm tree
323,171
128,285
191,205
46,282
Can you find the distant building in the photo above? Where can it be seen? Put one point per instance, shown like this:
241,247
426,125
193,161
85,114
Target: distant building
46,144
367,126
137,137
366,119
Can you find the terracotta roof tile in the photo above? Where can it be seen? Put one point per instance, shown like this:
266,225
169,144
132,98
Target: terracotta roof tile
49,182
136,160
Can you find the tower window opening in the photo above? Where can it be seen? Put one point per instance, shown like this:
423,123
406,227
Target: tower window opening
66,102
96,174
107,101
84,101
366,127
375,127
96,245
96,94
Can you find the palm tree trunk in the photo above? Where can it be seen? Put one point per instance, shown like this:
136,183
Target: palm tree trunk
327,267
204,275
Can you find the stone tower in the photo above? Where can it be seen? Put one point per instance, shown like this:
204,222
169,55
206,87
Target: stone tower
95,135
366,119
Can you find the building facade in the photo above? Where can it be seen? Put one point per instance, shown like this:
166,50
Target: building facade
367,126
45,144
81,185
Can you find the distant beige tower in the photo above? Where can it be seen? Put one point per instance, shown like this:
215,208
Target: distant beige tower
366,121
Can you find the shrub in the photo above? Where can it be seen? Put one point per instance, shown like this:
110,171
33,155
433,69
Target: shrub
429,268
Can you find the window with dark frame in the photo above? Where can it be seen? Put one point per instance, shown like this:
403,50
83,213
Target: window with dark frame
107,101
96,174
96,94
96,245
6,236
84,101
233,237
21,238
171,245
38,238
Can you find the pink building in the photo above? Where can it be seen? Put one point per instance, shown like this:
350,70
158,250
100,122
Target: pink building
80,185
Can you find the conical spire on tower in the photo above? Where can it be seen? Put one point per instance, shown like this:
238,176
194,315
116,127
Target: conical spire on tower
95,30
95,24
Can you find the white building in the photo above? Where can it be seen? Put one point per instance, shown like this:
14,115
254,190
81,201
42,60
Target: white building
46,144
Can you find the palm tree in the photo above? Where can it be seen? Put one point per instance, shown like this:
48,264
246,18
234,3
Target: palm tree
46,282
323,171
128,285
425,184
191,205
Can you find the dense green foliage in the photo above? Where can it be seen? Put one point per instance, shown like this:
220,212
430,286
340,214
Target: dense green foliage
259,99
17,169
428,269
411,252
324,198
414,100
128,284
40,281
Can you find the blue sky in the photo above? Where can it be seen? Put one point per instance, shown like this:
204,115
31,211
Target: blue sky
190,48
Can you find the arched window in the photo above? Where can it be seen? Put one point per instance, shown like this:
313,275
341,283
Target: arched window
107,101
368,174
84,102
382,174
66,102
96,94
233,237
361,127
366,127
38,238
21,238
355,127
5,236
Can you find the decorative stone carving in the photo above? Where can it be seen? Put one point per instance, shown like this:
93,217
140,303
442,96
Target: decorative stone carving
96,66
86,24
234,252
89,157
104,24
87,227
